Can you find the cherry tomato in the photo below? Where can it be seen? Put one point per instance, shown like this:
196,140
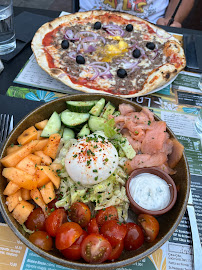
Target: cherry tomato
149,225
74,251
80,213
116,251
106,214
36,220
42,240
95,248
67,234
113,231
52,205
55,220
92,226
134,238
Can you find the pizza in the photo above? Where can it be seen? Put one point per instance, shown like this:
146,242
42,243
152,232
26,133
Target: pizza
111,52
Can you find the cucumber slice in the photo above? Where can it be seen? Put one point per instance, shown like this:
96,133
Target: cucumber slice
96,123
85,131
108,110
53,125
73,119
68,134
96,110
80,106
127,148
116,113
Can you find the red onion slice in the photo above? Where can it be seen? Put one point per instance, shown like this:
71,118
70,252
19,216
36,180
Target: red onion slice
78,48
88,39
90,49
143,54
69,35
156,53
114,30
102,38
95,75
99,65
86,32
72,55
129,65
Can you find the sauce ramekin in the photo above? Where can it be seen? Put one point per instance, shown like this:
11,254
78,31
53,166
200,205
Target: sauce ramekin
173,191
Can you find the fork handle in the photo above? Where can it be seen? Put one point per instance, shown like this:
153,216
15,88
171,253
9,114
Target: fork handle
195,238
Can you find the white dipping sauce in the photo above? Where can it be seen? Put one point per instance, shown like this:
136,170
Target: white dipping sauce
150,191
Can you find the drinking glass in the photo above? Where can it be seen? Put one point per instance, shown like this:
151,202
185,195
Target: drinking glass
7,33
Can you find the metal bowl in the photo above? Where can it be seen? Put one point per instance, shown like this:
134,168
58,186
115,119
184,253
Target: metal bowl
168,222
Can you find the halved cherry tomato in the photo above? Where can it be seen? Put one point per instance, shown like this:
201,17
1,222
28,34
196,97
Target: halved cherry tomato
92,226
36,220
55,220
134,238
106,214
113,231
67,234
150,226
116,251
52,205
42,240
74,251
95,248
80,213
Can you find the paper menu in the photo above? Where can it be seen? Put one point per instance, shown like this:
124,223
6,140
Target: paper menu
33,75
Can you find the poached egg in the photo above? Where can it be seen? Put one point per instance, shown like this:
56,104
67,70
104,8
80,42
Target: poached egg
91,160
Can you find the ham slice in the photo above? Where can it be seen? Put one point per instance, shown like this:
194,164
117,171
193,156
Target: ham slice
145,161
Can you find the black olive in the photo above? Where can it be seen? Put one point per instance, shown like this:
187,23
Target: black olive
150,45
129,27
121,73
80,59
97,25
65,44
136,53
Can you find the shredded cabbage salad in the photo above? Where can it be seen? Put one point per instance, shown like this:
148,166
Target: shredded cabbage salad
110,192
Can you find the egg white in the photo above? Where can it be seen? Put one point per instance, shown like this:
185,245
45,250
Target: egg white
91,160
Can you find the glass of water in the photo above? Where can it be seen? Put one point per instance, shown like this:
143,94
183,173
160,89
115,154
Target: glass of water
7,32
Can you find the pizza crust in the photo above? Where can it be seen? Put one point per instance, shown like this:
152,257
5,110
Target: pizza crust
156,79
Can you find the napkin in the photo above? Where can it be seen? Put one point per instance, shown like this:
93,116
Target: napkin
26,24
